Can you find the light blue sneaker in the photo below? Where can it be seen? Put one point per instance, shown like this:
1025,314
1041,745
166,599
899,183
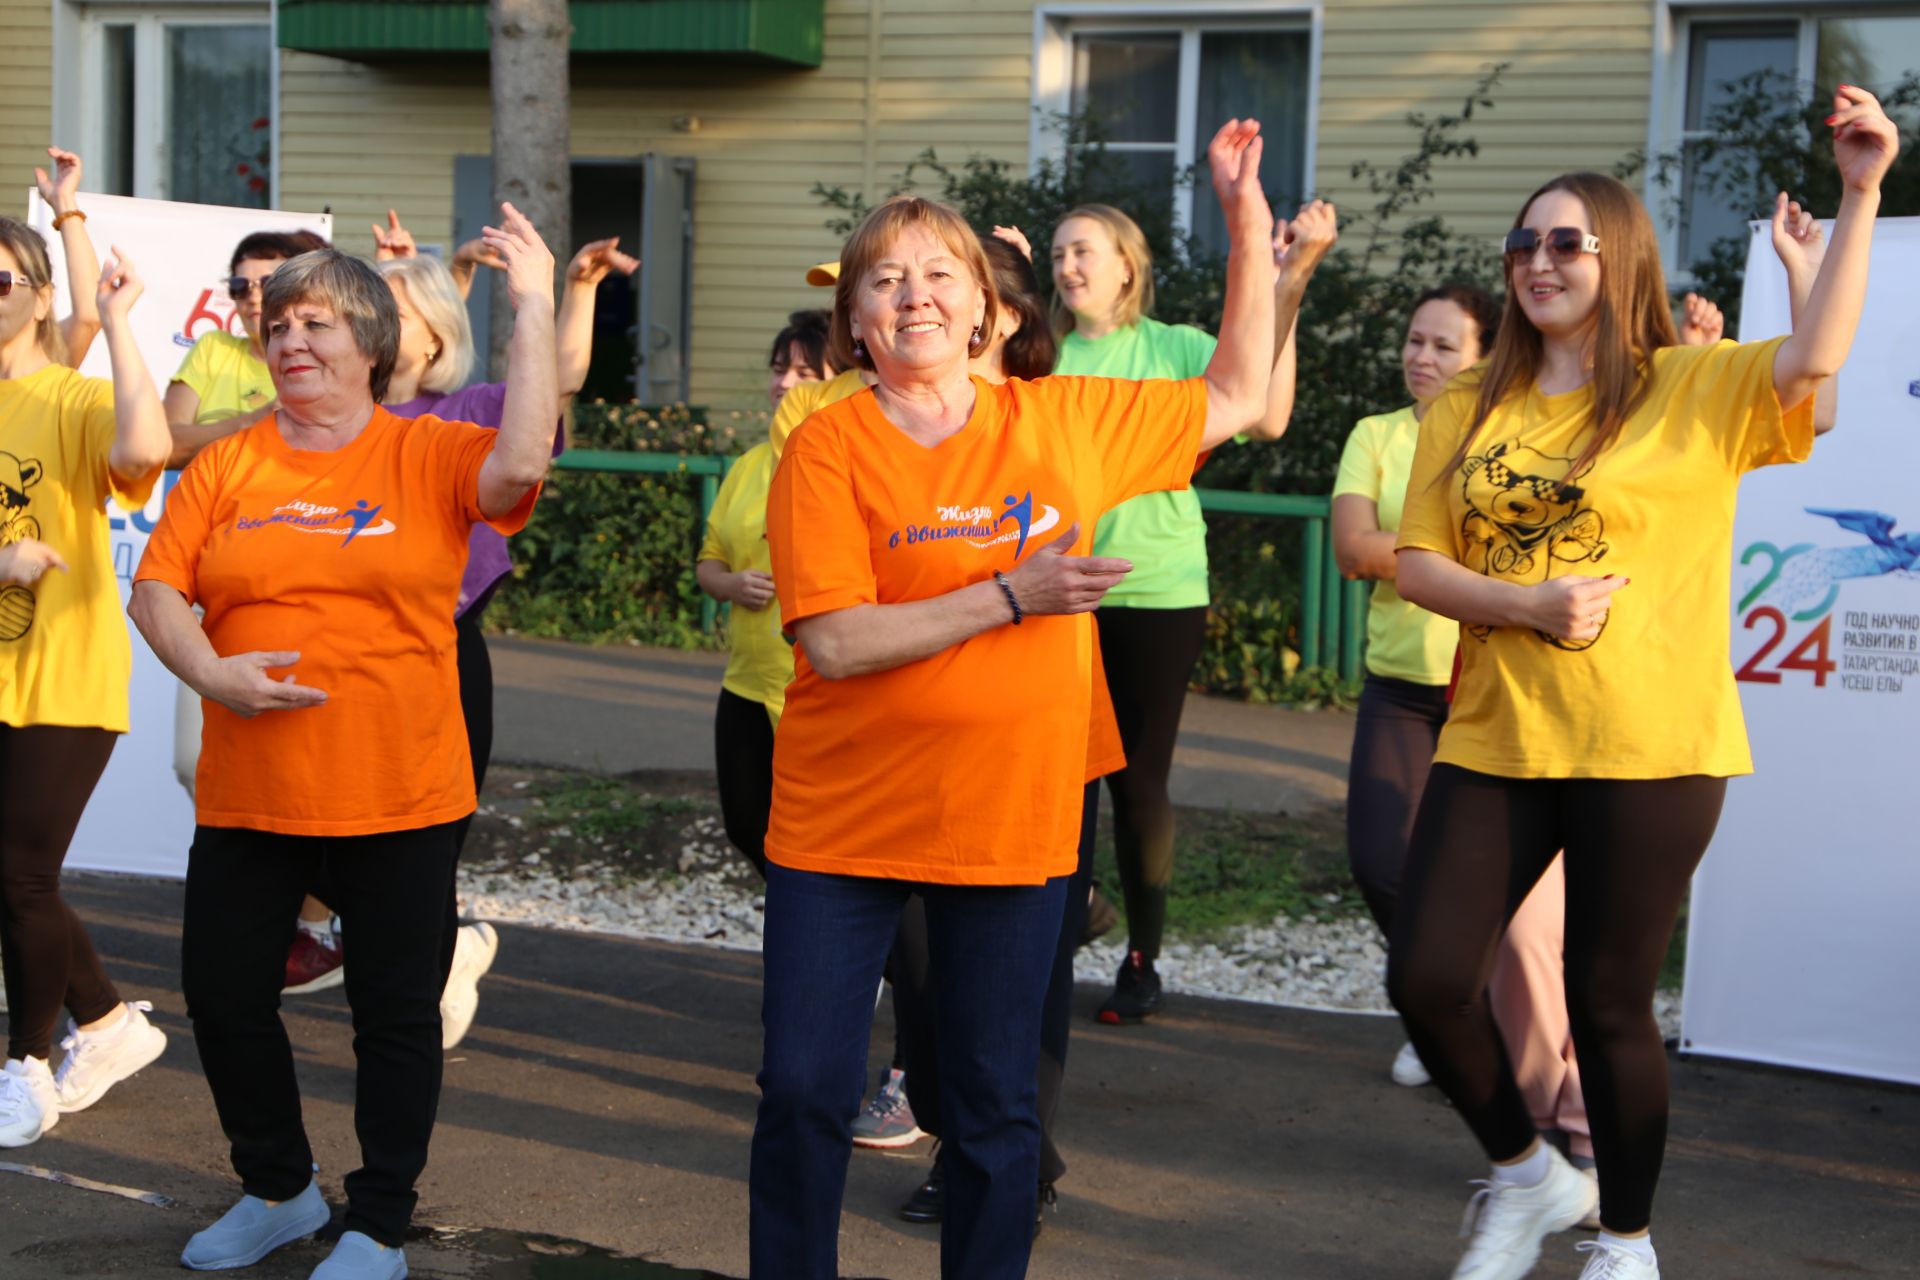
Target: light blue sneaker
360,1257
253,1228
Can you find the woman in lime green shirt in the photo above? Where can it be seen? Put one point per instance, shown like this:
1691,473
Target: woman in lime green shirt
1152,625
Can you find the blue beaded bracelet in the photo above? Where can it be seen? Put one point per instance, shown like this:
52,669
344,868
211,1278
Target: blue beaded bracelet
1006,589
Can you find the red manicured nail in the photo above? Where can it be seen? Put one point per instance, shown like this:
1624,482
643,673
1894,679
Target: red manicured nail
1831,119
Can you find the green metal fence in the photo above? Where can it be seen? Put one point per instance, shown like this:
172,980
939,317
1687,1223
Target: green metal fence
1333,611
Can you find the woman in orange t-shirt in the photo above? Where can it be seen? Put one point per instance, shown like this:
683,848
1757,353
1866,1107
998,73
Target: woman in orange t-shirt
326,543
927,537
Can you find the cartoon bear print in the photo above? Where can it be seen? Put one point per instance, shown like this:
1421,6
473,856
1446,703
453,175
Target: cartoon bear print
1521,519
16,477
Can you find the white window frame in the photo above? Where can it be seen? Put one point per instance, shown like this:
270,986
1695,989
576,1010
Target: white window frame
1674,22
1055,27
79,43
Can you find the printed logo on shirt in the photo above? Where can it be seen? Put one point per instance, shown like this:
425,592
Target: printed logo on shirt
980,525
313,517
1525,515
17,603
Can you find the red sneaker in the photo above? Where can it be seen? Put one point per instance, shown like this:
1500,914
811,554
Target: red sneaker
312,965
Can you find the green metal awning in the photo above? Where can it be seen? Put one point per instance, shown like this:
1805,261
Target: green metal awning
778,31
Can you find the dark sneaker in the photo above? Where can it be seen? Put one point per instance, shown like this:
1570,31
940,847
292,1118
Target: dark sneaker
1101,916
928,1203
1136,993
1048,1199
887,1121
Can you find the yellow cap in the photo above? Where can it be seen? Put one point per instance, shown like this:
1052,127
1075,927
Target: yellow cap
825,275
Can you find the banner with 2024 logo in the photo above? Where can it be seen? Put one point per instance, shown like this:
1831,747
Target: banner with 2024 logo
140,819
1802,948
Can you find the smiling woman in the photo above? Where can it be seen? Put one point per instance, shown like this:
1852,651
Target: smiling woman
930,638
326,543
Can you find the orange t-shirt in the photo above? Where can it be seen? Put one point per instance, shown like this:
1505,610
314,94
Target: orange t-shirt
965,767
353,558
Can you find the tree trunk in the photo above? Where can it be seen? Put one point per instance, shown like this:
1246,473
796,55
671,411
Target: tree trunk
531,144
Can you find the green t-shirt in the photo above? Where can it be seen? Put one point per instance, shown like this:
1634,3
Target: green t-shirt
223,371
1404,641
1163,534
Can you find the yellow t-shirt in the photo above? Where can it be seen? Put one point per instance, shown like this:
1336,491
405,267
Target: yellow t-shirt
761,665
805,398
64,654
229,379
1404,641
1653,695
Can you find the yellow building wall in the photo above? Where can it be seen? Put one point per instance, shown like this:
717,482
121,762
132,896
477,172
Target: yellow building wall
26,97
899,76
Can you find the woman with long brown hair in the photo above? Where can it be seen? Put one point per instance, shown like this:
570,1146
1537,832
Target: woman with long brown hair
1590,453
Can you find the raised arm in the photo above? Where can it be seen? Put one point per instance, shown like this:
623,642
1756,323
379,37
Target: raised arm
61,191
575,335
1864,145
1801,244
531,414
141,440
1298,248
1242,363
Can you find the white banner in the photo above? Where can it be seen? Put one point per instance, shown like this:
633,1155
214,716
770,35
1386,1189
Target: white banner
1802,948
140,819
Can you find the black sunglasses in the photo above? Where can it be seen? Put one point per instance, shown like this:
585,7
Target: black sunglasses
1564,244
238,287
8,279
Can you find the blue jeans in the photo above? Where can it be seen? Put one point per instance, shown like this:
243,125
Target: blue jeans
827,939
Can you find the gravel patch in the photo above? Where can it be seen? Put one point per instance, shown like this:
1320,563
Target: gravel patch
1305,962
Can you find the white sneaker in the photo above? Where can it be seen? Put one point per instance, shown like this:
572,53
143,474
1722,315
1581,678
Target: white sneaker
1592,1221
98,1060
1408,1069
1611,1262
473,951
28,1104
1508,1222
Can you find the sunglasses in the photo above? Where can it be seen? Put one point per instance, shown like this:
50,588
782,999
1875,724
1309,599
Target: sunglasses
1564,244
238,287
8,279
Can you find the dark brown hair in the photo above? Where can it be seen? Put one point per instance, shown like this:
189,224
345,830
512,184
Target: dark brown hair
809,329
1481,308
1632,318
1032,352
268,245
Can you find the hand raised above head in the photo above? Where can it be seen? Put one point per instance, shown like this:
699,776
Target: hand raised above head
393,240
1701,322
599,258
1865,141
120,285
1302,244
1233,166
59,189
1017,238
529,263
1799,240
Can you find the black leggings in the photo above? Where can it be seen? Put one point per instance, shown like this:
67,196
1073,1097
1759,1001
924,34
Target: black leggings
47,774
1479,844
916,1020
1149,656
1395,733
743,756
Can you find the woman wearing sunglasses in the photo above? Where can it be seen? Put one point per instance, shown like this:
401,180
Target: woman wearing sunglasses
1592,462
222,386
68,445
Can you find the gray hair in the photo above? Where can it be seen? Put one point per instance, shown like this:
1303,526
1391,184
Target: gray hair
350,289
431,290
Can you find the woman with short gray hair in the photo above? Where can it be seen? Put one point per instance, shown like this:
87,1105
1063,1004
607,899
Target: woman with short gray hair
326,544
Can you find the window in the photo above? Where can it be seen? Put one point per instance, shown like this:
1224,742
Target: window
1159,85
1714,50
177,102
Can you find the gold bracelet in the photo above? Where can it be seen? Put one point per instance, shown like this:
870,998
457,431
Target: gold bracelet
59,218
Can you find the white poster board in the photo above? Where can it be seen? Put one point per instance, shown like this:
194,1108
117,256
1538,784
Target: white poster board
140,819
1802,948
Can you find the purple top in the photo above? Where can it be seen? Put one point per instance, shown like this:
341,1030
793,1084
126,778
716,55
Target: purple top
481,404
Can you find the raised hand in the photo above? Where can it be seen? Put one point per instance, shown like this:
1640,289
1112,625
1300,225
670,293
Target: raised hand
597,259
1051,581
1015,237
1865,141
120,287
1798,238
1701,322
528,261
393,240
1302,244
59,190
241,685
1233,166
